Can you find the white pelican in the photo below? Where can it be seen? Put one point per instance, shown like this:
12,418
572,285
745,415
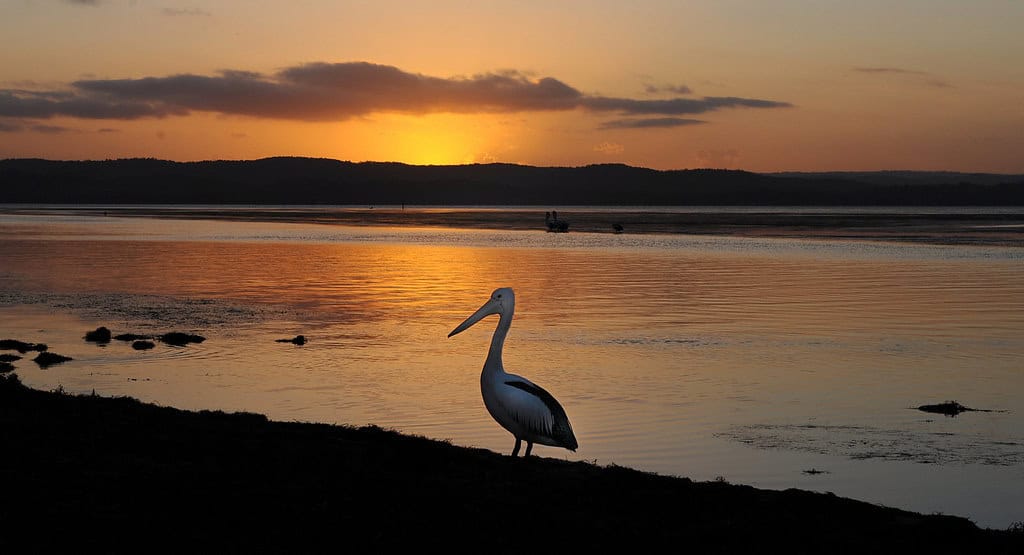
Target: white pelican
520,406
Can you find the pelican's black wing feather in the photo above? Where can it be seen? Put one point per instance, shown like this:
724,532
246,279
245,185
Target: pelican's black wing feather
560,430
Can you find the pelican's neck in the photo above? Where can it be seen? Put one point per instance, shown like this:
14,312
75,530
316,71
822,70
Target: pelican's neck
493,362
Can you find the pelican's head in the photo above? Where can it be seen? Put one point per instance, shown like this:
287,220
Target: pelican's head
502,301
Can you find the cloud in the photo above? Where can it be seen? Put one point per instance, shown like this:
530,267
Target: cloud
108,130
926,78
635,123
362,88
47,104
50,129
83,2
896,70
609,148
674,89
332,92
9,127
675,106
175,12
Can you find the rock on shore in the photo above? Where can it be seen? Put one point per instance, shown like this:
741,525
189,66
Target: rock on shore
47,359
98,335
180,339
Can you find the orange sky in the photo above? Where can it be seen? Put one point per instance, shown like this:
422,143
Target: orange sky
764,86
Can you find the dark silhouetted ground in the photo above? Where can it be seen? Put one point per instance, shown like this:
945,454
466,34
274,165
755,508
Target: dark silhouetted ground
306,181
115,475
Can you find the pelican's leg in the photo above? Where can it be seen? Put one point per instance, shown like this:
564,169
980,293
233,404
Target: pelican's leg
519,443
529,447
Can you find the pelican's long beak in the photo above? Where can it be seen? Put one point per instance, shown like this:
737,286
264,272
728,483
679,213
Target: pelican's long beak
490,307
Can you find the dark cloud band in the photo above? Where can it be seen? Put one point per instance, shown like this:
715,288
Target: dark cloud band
647,123
331,92
43,105
675,106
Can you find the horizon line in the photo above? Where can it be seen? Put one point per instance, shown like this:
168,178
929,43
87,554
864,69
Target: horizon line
498,163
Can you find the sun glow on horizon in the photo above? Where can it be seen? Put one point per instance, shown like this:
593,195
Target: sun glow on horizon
750,85
436,139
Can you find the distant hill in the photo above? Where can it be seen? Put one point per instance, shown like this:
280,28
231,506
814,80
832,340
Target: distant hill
323,181
908,177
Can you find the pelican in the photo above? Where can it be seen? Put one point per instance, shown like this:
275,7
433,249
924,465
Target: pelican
520,406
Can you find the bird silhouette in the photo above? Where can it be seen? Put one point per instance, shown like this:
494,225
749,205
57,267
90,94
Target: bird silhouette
522,407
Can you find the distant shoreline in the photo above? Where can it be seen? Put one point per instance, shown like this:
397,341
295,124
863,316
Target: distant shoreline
926,225
316,181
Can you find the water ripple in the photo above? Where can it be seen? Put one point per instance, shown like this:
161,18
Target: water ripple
867,442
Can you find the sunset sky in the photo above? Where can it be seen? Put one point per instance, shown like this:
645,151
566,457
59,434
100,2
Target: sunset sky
759,85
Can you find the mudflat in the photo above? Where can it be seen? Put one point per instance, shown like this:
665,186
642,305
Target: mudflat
952,227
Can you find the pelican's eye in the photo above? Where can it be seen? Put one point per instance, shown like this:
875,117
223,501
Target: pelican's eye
499,295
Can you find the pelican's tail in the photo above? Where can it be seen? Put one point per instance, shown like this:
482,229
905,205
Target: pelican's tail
561,431
570,441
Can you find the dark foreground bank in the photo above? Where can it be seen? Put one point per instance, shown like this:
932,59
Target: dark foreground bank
114,474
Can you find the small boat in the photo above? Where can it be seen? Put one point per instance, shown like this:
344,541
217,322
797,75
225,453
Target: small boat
554,224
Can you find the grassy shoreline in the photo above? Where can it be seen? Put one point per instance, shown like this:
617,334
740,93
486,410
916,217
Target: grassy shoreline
116,474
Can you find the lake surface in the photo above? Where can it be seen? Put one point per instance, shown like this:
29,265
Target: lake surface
750,358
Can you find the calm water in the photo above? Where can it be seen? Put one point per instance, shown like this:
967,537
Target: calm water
750,359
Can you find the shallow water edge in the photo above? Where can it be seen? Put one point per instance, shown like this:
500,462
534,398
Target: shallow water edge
993,226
